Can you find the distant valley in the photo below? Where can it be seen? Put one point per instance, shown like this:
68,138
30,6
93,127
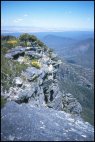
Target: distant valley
76,51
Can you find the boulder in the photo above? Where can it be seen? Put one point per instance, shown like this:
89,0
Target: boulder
25,95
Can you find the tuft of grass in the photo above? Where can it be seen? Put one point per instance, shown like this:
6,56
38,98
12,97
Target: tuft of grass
36,64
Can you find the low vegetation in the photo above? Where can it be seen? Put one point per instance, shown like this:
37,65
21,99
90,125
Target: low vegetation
9,70
36,64
26,39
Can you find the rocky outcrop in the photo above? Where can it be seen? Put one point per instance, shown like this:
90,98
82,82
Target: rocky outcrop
26,122
38,87
42,82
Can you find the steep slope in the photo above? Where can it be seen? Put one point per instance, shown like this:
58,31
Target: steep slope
79,82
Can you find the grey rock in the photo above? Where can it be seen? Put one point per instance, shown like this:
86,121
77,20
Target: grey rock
47,83
70,104
9,56
14,54
57,102
23,97
31,72
28,123
31,49
18,48
18,81
33,54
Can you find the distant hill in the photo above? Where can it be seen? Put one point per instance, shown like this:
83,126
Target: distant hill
76,51
83,53
56,41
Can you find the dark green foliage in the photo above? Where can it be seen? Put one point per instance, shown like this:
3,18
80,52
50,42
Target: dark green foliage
32,38
24,38
40,43
27,37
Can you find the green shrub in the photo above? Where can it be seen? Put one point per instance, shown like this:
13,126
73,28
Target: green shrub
32,38
40,43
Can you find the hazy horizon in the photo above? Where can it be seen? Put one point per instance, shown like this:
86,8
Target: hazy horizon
47,16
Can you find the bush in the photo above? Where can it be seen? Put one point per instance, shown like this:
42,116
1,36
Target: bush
40,43
32,38
36,64
24,38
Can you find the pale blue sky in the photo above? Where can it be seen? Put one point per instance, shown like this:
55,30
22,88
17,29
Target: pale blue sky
45,15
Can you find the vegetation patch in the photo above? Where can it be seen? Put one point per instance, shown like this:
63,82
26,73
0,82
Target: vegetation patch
9,70
35,63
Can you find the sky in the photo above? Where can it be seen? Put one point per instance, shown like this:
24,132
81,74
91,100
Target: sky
47,15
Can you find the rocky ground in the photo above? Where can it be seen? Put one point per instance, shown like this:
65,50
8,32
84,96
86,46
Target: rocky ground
26,122
35,105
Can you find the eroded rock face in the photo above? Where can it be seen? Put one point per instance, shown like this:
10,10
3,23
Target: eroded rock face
25,122
42,82
39,88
